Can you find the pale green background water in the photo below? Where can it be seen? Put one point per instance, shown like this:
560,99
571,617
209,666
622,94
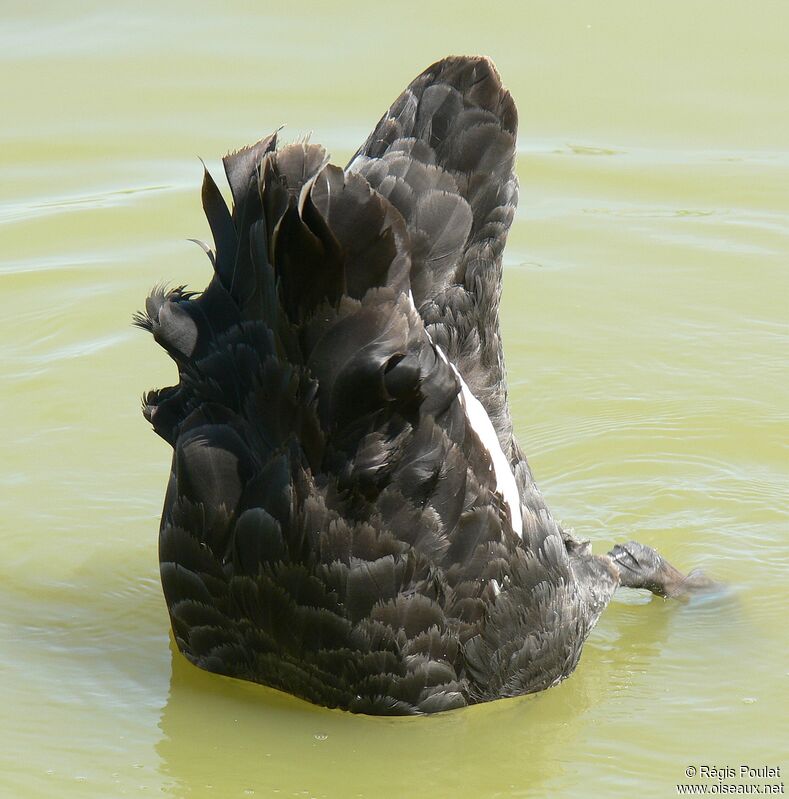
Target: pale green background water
646,320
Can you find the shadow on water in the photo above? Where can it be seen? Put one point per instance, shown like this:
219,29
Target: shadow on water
264,742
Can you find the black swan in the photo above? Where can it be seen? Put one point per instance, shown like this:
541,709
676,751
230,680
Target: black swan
349,517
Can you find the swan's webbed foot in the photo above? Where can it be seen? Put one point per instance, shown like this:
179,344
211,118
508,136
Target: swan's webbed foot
641,566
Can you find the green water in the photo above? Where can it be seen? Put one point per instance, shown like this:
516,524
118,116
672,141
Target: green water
646,322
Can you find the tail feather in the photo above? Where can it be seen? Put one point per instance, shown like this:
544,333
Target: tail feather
223,230
452,133
241,166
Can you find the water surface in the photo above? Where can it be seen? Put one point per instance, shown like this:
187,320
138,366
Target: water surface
646,328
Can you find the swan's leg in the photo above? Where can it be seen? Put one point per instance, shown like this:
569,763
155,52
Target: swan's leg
641,566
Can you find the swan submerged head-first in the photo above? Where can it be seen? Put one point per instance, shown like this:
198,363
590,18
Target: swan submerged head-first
349,517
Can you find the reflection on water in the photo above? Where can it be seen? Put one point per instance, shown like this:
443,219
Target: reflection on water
215,725
252,734
646,336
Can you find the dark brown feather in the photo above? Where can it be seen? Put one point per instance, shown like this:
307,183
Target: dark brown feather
333,526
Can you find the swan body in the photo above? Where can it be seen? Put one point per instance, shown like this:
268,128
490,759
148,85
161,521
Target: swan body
349,517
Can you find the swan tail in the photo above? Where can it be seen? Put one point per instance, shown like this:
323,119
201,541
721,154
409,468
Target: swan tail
443,154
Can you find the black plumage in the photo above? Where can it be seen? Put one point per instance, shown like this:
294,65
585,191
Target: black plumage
335,524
